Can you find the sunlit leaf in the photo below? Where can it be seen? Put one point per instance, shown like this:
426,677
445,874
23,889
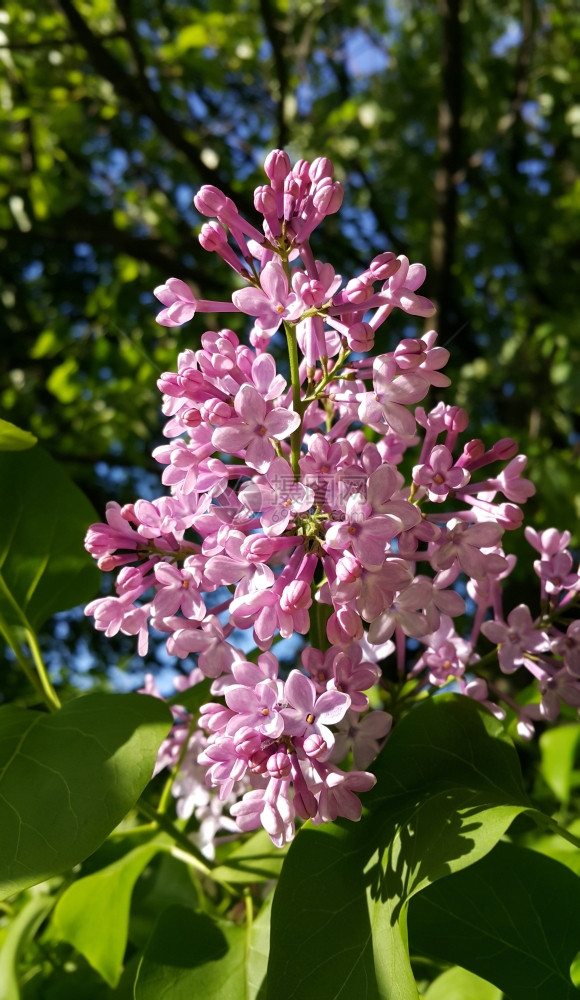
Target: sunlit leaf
93,913
559,748
448,787
13,438
459,984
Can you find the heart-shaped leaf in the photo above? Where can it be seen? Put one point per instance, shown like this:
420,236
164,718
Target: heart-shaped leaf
68,779
448,787
93,913
192,955
513,918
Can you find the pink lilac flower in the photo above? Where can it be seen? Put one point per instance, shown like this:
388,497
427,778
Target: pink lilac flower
403,613
516,638
447,654
309,714
339,795
253,429
272,302
393,392
257,708
556,573
282,518
568,646
464,544
548,542
363,737
367,535
438,475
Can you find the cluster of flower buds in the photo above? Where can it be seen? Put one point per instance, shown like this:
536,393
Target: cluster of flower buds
287,516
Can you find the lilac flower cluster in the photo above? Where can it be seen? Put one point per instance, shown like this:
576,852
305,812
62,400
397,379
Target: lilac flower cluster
287,515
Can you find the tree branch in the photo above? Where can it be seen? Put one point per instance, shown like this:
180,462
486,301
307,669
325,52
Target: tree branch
83,227
277,40
139,94
444,231
398,244
54,43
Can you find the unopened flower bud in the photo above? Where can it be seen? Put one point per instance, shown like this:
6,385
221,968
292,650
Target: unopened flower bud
301,172
305,803
505,448
258,762
247,742
265,200
384,266
360,337
327,198
212,236
209,200
257,548
315,746
348,568
296,595
319,168
190,380
358,290
279,765
168,384
456,419
277,166
191,417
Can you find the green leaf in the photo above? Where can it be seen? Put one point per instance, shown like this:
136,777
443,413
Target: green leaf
459,984
20,931
321,902
256,860
448,786
13,438
192,955
43,517
195,36
559,747
512,918
193,697
68,779
64,381
93,913
168,882
554,846
258,950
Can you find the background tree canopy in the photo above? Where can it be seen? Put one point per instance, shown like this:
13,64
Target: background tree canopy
452,125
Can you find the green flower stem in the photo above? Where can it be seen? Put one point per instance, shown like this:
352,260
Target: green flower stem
296,436
165,824
550,824
52,699
328,377
319,615
38,678
20,658
165,799
132,831
194,855
249,918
